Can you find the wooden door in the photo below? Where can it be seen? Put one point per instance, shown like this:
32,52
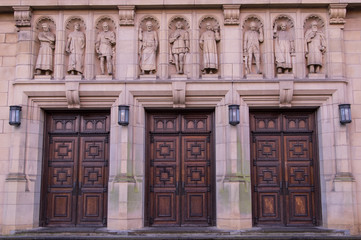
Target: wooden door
284,169
180,176
76,169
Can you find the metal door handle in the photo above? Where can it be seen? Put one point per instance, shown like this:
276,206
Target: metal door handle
281,188
183,190
74,188
177,188
287,188
79,185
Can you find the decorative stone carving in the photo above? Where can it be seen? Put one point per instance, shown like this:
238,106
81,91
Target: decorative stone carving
72,94
283,33
126,15
75,45
209,29
179,42
22,15
148,45
315,43
286,93
179,94
253,36
44,62
105,44
231,14
337,13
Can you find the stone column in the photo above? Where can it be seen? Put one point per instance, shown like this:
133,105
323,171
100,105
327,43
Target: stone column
127,42
231,61
26,40
336,66
59,54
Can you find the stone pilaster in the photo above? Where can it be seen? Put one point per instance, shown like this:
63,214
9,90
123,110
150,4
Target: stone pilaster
231,43
59,53
337,14
24,55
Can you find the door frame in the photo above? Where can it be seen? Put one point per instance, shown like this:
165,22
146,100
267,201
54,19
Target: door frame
44,167
148,113
316,163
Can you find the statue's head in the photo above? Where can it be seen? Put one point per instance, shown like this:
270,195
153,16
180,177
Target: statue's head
209,26
179,25
149,25
314,26
283,26
253,26
77,26
105,26
45,27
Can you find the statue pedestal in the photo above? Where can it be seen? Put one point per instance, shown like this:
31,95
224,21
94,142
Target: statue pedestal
104,77
179,77
285,76
148,77
210,76
254,76
42,77
73,77
316,76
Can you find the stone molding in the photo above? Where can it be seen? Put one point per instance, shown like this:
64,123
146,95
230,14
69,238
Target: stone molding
337,13
231,14
126,15
286,93
22,15
72,94
179,94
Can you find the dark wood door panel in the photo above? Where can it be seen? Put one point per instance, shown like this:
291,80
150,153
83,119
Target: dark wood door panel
76,167
283,172
179,160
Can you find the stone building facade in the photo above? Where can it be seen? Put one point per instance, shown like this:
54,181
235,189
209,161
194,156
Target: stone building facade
179,162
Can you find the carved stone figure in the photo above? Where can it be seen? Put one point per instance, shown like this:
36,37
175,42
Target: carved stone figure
252,38
44,63
104,47
179,40
284,48
148,44
315,48
208,43
75,48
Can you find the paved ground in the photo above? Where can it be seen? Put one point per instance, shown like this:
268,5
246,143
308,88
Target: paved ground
182,233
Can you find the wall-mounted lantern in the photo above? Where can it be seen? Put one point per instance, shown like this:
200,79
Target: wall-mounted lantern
233,114
345,113
14,115
123,115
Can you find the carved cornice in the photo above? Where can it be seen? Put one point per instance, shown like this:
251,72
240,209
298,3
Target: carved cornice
22,15
337,13
126,15
231,14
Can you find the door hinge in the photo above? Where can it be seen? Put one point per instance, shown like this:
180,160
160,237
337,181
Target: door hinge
311,162
105,189
151,221
209,220
152,139
254,162
50,139
255,188
254,139
104,220
209,188
151,188
311,138
312,188
314,221
47,220
106,139
152,163
208,139
255,220
208,163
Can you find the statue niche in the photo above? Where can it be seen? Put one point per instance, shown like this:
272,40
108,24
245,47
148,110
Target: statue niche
252,40
105,45
75,46
284,47
179,43
46,37
315,44
210,36
148,45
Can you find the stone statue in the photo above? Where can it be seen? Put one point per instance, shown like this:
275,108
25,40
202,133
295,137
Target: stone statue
208,43
252,38
104,47
284,48
148,48
180,46
315,48
75,48
44,63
